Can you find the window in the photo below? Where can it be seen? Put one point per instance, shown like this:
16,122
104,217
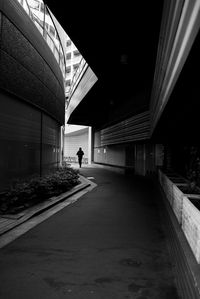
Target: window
46,12
42,7
76,53
68,69
75,66
52,30
68,56
47,26
69,43
67,83
56,36
33,4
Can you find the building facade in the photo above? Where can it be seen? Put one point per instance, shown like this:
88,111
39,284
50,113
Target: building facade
73,58
73,141
32,96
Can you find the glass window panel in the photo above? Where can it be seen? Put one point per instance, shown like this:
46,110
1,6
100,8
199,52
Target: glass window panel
69,43
75,66
76,53
68,56
68,69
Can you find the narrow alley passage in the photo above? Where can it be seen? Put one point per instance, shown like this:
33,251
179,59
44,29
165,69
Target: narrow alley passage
109,244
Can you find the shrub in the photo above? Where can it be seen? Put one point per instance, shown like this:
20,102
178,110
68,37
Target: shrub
39,188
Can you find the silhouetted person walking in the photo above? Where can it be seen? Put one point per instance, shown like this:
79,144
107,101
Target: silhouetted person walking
80,154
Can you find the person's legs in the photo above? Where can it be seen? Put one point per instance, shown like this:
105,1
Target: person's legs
80,162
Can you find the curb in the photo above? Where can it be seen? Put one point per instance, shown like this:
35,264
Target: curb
41,207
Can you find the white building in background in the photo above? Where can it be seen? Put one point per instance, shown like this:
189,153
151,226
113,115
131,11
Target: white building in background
73,58
75,137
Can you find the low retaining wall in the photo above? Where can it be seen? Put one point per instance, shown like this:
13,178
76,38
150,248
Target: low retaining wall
191,226
184,230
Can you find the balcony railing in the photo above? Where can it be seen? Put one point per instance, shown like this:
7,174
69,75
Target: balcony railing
76,78
53,43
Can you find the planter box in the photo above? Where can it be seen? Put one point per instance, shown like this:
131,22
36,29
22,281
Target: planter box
177,202
171,190
186,208
168,188
191,224
160,175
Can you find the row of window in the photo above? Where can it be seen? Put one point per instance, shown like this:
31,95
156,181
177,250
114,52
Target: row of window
48,27
37,5
76,53
68,69
67,83
69,42
51,30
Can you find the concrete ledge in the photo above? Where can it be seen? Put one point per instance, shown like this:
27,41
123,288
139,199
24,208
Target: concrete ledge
11,221
186,268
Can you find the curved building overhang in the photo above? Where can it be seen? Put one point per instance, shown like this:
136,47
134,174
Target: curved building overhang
145,55
119,43
86,82
180,26
28,67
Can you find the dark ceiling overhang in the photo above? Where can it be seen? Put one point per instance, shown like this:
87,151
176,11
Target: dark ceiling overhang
119,42
180,121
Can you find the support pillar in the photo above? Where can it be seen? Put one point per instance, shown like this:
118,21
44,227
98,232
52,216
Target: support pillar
89,145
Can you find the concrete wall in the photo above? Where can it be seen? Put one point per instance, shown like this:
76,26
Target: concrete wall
142,157
75,140
31,98
112,155
28,67
29,140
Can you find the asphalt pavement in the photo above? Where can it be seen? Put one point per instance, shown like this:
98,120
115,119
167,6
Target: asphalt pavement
109,244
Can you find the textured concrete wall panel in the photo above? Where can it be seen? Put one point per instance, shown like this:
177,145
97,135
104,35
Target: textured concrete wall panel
50,143
29,140
26,70
19,81
51,82
17,46
32,98
19,138
18,122
16,14
112,155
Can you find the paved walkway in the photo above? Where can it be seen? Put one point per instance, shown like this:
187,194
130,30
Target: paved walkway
108,245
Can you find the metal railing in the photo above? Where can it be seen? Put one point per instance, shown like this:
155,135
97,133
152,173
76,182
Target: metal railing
70,159
54,45
77,77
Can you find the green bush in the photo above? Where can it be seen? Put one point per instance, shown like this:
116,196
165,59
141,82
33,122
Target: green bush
39,188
